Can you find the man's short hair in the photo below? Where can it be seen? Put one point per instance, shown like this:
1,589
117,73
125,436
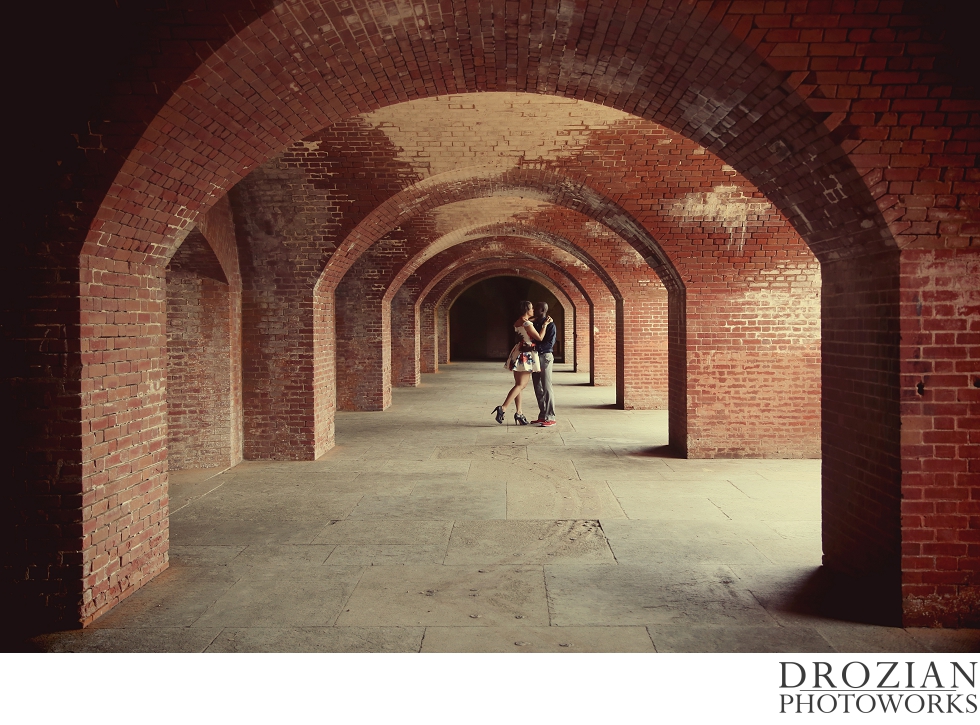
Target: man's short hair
541,308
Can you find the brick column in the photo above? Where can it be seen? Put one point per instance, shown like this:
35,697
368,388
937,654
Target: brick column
363,351
642,349
442,333
119,538
405,349
861,422
940,443
199,404
602,366
428,342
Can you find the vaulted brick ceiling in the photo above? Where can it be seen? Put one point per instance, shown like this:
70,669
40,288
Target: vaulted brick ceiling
434,170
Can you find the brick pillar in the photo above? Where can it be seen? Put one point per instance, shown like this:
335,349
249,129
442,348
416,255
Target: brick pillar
583,339
940,443
861,421
324,370
753,369
199,385
428,341
405,349
442,333
120,539
363,325
278,371
677,371
642,343
603,342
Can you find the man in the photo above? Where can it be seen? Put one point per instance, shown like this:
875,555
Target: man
542,380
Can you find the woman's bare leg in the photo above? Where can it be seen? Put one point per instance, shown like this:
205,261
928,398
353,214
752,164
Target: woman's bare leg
520,381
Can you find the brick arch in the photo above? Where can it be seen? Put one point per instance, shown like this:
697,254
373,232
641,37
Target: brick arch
605,309
509,231
416,358
239,106
760,94
483,182
589,307
365,384
616,349
569,308
449,299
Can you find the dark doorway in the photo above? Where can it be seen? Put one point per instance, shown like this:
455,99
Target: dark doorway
481,319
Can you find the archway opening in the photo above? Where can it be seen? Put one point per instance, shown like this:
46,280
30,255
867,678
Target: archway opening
480,318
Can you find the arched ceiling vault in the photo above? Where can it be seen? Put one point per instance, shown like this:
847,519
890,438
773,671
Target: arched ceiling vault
302,66
510,253
484,273
518,184
576,258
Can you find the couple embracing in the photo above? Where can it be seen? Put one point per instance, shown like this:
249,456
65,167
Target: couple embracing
532,358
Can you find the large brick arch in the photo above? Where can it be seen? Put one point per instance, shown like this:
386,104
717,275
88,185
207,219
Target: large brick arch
239,106
572,312
838,118
579,308
506,231
439,274
362,382
474,183
413,353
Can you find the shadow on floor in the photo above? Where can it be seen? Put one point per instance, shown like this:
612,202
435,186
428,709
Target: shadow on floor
656,452
824,593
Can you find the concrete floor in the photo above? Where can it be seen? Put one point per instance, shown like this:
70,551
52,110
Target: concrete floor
430,528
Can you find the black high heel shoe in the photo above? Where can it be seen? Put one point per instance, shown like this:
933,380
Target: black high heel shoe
498,413
520,419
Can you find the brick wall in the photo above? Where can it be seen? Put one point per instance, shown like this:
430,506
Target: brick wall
199,396
841,114
939,382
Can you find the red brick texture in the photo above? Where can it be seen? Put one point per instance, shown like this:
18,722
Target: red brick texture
204,363
199,407
939,380
822,124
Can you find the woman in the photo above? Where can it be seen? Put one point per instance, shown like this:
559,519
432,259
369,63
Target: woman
523,360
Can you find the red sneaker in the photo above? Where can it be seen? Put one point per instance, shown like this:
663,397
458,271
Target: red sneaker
546,423
539,420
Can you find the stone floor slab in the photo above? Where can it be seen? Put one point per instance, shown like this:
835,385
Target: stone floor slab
481,453
526,542
736,638
691,552
384,554
688,508
629,594
398,532
851,637
557,499
537,639
435,507
242,532
461,596
203,555
319,639
548,469
133,639
284,603
177,597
